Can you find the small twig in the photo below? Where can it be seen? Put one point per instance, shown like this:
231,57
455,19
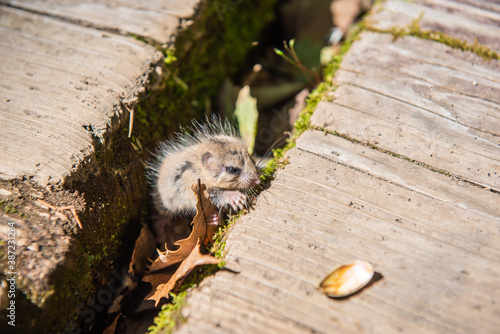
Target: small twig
131,119
201,202
291,49
183,278
202,209
295,60
71,208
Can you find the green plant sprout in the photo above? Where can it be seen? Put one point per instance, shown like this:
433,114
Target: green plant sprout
169,315
293,59
170,57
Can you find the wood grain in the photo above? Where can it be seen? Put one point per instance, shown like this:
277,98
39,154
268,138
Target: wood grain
401,170
322,212
426,110
156,20
60,86
466,20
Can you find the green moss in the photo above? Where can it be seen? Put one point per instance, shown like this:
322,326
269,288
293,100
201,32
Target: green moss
324,91
8,207
218,246
170,314
214,47
170,57
414,29
141,38
115,192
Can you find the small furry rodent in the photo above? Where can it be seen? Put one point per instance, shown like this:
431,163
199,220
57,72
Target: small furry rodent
216,155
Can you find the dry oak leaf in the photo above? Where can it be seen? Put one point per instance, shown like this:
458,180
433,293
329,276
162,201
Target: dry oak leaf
143,249
112,328
156,279
204,208
211,229
194,259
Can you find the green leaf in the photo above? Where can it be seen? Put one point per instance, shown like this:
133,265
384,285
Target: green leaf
247,115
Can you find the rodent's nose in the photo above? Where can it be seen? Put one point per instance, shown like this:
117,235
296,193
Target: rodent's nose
255,182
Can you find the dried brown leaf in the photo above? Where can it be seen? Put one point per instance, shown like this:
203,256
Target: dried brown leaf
143,250
194,259
204,208
156,279
209,236
112,328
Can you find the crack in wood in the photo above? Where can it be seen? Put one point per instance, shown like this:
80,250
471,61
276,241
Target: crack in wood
396,155
418,107
369,207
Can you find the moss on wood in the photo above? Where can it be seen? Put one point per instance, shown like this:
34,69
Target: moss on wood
214,47
324,91
112,179
414,29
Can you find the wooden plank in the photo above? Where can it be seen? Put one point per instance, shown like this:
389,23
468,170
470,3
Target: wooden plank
157,20
451,83
60,85
425,110
405,173
484,11
433,236
465,20
31,233
247,317
329,207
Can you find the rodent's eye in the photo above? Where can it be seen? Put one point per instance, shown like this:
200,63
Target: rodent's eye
233,170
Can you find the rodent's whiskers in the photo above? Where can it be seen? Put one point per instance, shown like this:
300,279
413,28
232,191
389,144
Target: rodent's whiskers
278,142
220,215
263,172
251,195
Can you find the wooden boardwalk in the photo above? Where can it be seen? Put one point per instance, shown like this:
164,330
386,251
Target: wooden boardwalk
64,73
410,185
65,69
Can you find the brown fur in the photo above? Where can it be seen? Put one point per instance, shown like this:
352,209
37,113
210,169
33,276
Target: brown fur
220,161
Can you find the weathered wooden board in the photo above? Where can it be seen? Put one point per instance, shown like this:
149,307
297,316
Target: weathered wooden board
456,85
157,20
408,175
436,248
60,85
469,20
414,191
407,97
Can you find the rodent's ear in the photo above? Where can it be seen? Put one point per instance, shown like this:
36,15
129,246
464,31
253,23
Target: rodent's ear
208,160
